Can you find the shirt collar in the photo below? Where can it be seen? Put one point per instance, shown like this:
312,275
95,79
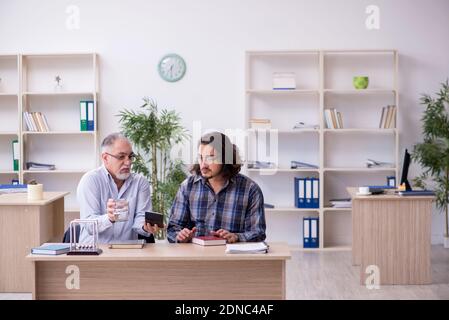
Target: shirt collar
199,177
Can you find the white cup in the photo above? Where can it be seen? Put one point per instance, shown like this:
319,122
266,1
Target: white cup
121,210
363,190
35,192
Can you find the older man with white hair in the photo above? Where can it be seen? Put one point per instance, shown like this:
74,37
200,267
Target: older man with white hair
99,188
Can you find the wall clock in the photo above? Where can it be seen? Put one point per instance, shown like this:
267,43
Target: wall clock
172,67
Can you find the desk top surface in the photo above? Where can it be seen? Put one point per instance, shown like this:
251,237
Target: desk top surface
171,252
390,195
21,199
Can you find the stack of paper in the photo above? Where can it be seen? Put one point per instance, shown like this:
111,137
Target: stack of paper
341,203
249,247
40,166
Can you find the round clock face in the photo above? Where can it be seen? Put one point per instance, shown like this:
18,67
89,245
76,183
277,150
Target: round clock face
172,67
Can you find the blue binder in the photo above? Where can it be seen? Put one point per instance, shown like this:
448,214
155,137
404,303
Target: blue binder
90,116
308,192
314,233
311,237
299,193
315,193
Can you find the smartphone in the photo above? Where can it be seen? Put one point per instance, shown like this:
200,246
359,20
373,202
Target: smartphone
154,218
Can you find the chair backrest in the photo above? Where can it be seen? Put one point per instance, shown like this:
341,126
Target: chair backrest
66,238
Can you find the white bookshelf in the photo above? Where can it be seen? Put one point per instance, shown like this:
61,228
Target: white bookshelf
28,85
323,80
9,114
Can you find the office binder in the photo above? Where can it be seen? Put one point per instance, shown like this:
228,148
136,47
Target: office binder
315,193
90,116
299,193
391,181
308,188
15,155
83,115
314,233
306,232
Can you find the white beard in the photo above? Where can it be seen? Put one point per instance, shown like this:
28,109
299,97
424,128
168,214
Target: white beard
123,176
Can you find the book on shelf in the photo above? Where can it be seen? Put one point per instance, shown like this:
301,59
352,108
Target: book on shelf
35,166
388,117
341,203
303,125
260,123
247,248
127,244
209,241
51,249
35,122
333,119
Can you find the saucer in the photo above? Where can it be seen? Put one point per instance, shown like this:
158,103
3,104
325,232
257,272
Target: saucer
363,194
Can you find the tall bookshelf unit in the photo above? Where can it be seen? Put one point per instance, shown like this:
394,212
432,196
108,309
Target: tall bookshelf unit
323,80
30,86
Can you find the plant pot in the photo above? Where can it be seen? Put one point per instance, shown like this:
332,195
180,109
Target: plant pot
446,242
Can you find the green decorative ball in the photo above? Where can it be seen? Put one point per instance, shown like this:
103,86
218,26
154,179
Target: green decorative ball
360,82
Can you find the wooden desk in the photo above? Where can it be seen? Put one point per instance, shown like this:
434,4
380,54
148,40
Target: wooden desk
165,271
23,225
393,233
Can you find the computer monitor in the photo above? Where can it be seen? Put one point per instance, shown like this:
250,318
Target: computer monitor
404,175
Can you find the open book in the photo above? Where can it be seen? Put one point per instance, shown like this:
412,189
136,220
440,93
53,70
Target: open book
248,247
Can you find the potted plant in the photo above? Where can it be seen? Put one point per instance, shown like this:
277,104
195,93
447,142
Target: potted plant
433,153
153,134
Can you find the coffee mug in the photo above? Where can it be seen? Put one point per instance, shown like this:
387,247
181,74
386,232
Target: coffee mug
363,190
121,210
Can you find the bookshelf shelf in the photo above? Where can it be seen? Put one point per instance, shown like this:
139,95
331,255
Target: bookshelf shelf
323,81
283,170
291,209
8,172
59,93
82,171
360,130
8,133
85,133
359,169
5,94
282,92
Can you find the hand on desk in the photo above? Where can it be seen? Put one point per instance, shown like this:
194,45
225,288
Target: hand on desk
185,235
225,234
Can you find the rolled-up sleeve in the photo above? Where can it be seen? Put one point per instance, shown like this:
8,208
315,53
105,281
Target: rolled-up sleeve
143,204
179,213
254,217
89,195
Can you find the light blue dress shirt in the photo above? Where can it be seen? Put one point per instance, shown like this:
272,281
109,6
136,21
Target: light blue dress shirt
94,190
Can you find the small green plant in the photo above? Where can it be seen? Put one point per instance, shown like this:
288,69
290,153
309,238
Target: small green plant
433,153
153,134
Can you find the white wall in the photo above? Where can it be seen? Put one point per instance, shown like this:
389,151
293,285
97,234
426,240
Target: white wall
212,35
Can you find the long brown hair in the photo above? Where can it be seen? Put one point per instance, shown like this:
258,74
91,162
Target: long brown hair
226,151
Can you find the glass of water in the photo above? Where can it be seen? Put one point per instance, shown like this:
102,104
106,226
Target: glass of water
121,210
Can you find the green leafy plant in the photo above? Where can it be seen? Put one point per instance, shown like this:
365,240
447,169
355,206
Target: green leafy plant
153,134
433,153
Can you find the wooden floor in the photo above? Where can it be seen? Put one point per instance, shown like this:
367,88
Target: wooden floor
330,275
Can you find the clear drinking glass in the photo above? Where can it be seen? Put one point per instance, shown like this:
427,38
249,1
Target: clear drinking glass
121,210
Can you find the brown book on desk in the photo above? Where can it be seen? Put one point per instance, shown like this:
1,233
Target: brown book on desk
209,241
127,244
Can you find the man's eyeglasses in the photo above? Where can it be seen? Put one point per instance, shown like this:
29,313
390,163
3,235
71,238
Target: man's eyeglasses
122,157
207,159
